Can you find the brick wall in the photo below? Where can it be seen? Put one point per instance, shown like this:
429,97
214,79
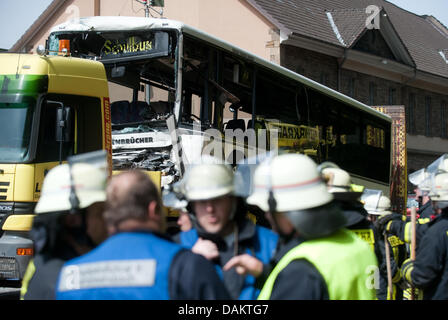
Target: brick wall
313,65
318,67
435,121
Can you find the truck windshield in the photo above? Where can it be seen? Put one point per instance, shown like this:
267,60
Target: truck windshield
16,115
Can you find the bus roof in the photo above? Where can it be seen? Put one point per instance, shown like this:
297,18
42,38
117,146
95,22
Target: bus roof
105,24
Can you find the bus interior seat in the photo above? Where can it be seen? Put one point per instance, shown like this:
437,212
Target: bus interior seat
161,107
140,111
123,111
119,111
236,124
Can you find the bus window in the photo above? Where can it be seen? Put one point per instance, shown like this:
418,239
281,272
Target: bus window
204,93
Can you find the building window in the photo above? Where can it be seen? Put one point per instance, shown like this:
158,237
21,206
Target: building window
443,119
411,114
372,93
427,116
300,70
351,87
324,78
392,96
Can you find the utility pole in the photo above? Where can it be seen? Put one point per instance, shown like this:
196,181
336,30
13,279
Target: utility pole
149,4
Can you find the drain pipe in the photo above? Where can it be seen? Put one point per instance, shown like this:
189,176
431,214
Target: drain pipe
344,57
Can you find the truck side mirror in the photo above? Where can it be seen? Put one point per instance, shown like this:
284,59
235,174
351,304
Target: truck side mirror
64,122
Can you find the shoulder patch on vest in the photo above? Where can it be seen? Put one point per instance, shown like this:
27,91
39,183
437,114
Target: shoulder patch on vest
106,274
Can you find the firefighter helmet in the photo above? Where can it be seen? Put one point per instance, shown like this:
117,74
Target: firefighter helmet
339,184
207,181
337,180
377,204
292,181
439,186
89,185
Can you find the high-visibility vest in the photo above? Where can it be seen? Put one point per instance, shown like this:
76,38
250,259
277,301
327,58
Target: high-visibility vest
366,235
345,262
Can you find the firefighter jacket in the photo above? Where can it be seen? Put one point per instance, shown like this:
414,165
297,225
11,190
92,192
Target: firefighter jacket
398,252
342,259
40,278
357,222
426,211
39,281
429,271
254,240
402,228
139,265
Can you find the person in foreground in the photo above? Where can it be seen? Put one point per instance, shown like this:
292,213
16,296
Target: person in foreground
68,223
222,232
137,261
429,271
318,259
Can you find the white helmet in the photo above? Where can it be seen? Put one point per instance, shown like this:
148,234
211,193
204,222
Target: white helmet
207,181
440,163
439,186
338,180
294,182
417,177
89,184
377,204
428,183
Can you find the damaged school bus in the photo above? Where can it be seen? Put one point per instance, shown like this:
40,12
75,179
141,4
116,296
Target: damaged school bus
183,89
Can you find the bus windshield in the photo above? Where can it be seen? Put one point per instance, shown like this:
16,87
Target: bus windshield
16,114
114,46
140,68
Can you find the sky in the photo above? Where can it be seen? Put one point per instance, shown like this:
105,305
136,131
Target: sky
436,8
16,16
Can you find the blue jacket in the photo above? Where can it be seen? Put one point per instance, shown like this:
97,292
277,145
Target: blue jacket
127,266
262,244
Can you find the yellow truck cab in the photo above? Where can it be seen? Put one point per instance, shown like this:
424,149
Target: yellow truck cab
51,107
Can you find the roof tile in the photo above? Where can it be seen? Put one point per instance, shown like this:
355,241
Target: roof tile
423,39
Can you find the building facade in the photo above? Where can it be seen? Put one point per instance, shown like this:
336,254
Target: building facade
370,50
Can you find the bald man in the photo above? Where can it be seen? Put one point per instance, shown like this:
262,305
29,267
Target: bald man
138,261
